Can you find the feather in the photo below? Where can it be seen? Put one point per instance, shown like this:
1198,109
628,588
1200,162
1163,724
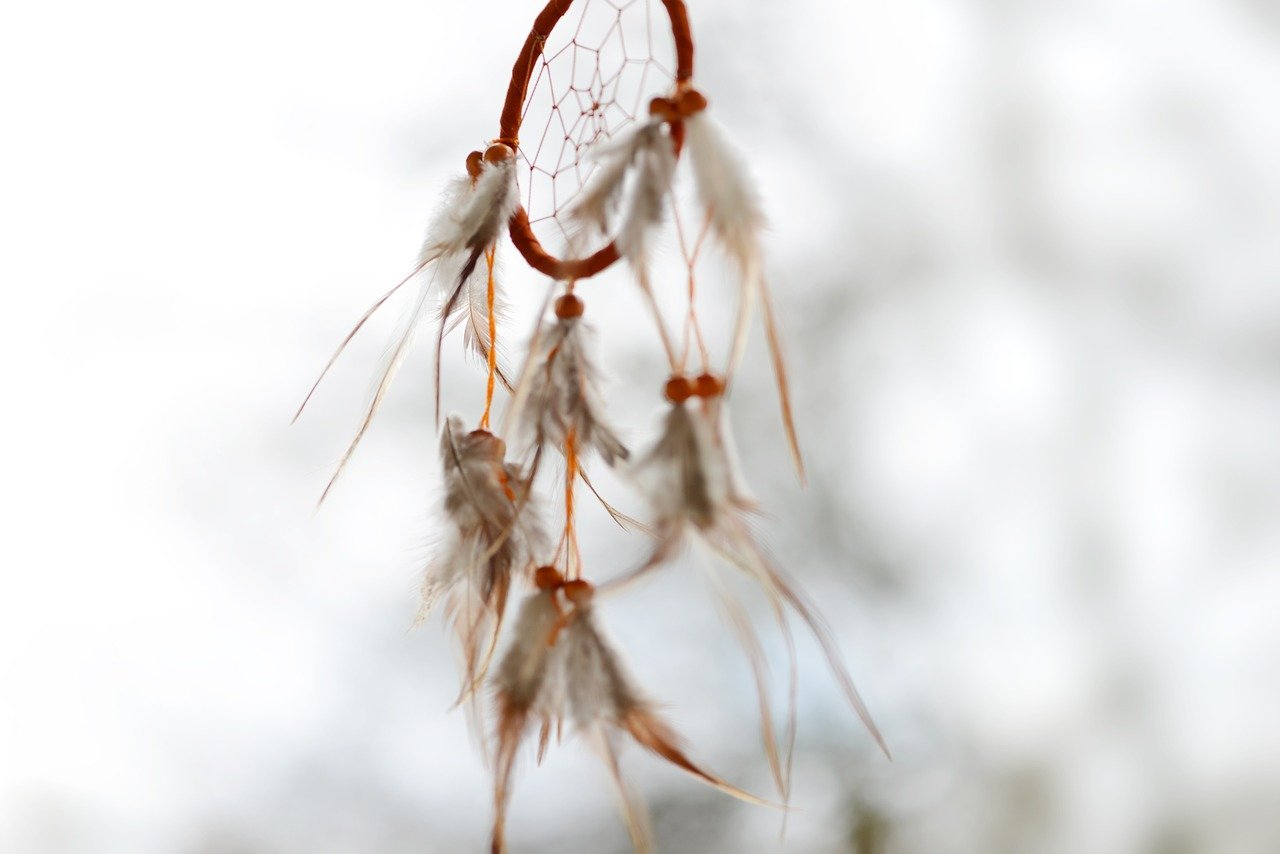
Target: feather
734,214
750,642
601,197
522,687
694,486
477,210
725,189
471,311
600,689
392,364
656,164
633,809
470,219
477,227
494,534
649,152
562,395
559,665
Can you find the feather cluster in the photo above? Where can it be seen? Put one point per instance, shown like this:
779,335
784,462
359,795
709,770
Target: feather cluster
646,159
694,485
469,227
558,402
477,208
560,667
691,477
648,154
494,535
468,224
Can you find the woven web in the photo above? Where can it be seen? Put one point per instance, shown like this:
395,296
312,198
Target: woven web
600,67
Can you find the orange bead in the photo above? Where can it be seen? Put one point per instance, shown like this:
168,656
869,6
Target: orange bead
568,307
547,578
663,108
708,386
474,161
691,101
579,592
678,389
498,152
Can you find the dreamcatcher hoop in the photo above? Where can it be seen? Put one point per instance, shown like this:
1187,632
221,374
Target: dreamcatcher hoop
521,230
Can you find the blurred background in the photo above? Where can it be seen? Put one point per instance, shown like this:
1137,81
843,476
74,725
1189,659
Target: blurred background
1027,257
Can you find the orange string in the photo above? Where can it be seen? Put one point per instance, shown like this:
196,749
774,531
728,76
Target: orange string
572,556
493,341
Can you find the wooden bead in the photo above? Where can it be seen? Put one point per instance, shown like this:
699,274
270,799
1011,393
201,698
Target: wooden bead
547,578
708,386
678,389
498,152
568,307
579,592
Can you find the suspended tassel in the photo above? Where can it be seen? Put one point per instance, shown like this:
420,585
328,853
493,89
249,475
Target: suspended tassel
694,486
470,220
558,667
562,395
494,535
648,152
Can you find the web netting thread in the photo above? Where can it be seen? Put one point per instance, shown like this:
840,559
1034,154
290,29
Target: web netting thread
594,77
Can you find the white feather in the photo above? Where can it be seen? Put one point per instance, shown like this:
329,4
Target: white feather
725,189
656,164
600,199
476,213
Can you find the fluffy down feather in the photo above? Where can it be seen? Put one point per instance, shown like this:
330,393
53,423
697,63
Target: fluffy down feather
494,534
561,392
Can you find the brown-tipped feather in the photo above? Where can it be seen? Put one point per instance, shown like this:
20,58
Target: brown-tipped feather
656,737
510,730
544,739
774,339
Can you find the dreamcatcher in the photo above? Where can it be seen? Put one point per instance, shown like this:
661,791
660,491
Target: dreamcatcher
601,127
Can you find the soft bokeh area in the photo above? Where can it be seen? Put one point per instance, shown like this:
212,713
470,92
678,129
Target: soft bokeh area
1027,257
